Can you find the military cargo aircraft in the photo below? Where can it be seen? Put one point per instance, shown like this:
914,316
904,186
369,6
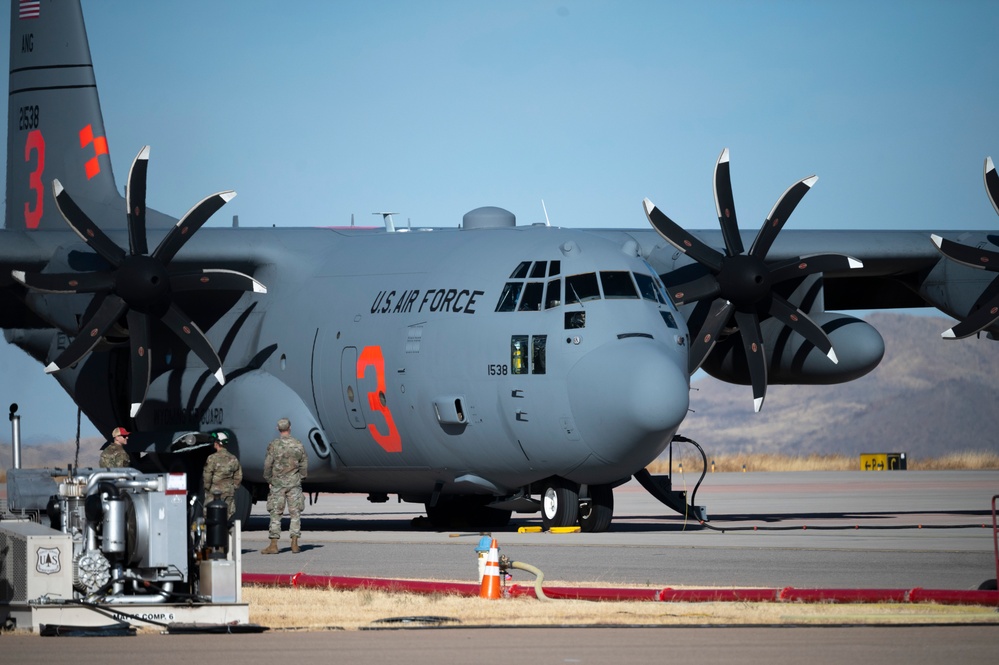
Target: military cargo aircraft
482,369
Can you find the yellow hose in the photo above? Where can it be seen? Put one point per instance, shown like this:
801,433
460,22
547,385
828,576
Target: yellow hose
539,577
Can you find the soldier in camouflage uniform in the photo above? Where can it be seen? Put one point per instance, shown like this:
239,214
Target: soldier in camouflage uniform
222,474
285,465
114,455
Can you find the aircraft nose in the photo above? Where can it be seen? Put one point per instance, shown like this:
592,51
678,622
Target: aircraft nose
627,398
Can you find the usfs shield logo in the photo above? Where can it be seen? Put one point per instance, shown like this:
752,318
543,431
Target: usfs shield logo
47,561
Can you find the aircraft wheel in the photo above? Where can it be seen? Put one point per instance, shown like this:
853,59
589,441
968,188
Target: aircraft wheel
988,585
595,515
559,504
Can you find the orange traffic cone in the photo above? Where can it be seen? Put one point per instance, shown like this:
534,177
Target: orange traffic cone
491,579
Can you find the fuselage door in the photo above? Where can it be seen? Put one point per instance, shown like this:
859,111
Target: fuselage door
348,382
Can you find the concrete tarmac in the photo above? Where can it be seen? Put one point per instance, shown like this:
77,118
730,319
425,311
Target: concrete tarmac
746,645
838,530
813,529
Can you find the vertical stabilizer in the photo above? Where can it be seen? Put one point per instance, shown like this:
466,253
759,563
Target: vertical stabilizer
54,125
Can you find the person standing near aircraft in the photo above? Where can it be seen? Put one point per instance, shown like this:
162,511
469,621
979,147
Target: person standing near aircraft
114,455
285,465
222,474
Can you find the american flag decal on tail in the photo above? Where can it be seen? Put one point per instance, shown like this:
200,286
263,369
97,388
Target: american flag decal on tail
29,9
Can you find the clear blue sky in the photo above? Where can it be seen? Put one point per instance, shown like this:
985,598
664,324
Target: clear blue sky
313,111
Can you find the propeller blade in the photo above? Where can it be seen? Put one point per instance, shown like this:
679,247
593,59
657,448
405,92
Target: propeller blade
85,282
90,333
752,342
975,323
702,288
717,316
801,323
725,205
973,257
189,223
141,361
992,183
675,235
215,279
810,265
85,228
978,319
135,201
775,221
188,330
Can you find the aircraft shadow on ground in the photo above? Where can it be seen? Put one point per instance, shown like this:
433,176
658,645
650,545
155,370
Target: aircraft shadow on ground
405,521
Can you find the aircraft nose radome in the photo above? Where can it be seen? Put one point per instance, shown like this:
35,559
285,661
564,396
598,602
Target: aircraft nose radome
626,396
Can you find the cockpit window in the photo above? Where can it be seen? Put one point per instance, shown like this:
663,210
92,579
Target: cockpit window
543,293
617,284
553,294
531,302
660,289
521,271
646,286
668,318
508,299
580,288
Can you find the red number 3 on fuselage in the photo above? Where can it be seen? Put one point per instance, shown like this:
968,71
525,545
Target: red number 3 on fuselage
371,356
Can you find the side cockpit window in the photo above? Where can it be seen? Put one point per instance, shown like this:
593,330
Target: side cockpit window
508,299
647,287
521,271
531,302
553,293
535,286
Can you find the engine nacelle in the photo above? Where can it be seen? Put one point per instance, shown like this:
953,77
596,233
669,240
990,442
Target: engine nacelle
791,359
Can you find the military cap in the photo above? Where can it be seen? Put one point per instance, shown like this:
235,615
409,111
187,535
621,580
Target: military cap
284,425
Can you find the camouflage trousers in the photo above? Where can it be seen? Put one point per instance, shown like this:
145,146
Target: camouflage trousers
276,500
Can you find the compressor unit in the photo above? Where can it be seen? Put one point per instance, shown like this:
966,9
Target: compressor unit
114,537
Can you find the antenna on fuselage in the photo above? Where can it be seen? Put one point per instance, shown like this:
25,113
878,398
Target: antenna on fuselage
389,222
547,222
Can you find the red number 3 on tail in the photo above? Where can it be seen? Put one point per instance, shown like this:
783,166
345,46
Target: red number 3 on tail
35,144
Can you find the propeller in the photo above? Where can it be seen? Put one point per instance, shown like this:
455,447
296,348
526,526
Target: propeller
139,287
985,311
739,285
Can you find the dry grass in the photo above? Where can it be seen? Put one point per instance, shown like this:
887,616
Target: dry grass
326,609
967,460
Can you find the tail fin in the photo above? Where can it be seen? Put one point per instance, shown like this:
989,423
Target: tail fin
54,125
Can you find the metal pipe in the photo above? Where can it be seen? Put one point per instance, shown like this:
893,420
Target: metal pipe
141,598
15,436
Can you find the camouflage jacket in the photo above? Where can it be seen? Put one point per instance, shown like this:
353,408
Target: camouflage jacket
222,472
286,463
114,457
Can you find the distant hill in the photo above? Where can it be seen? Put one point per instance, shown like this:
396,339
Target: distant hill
54,454
928,397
